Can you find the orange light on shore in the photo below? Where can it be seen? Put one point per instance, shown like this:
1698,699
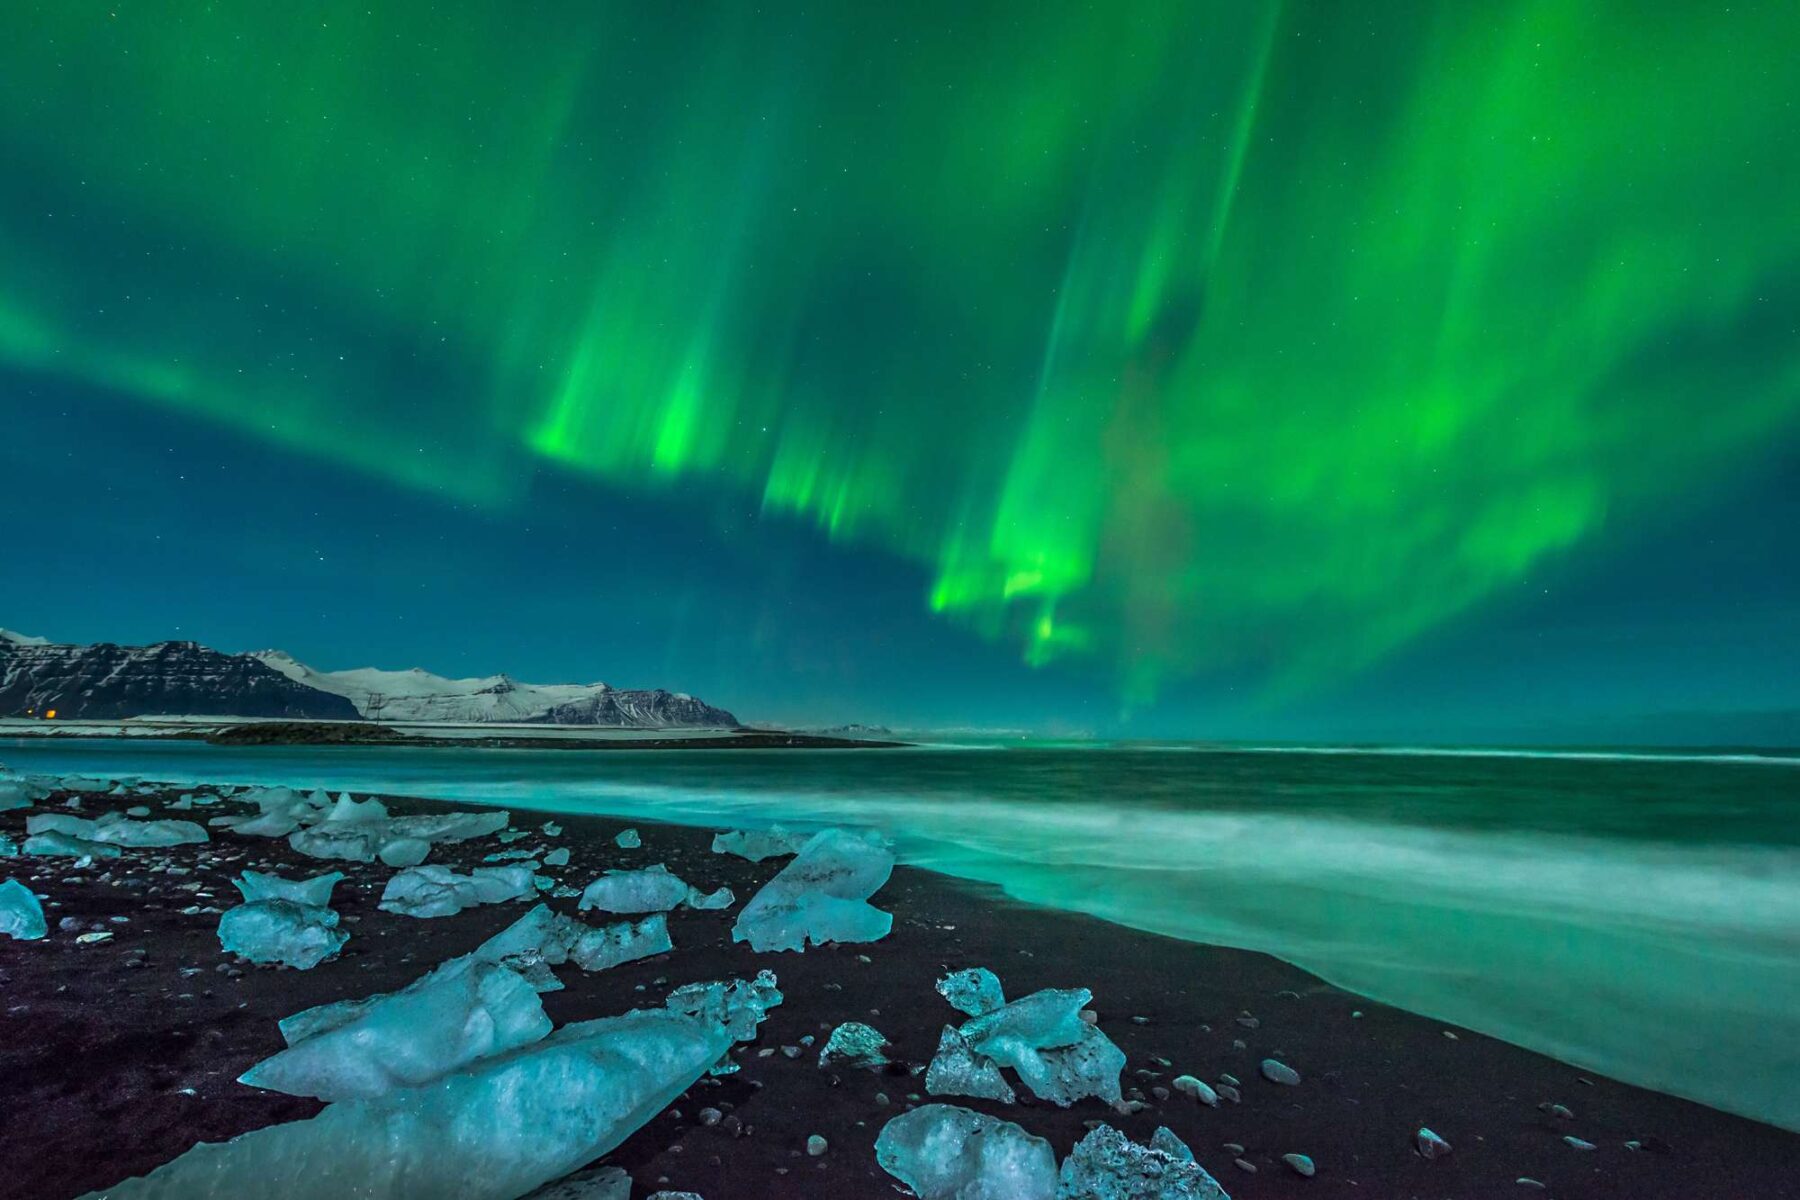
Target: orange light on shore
50,714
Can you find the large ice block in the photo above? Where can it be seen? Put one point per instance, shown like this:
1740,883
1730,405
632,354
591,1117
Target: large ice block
440,892
854,1044
492,1131
21,916
622,942
822,896
1057,1055
1105,1165
943,1152
15,793
279,931
257,885
956,1070
396,841
409,1037
653,889
62,844
601,1183
117,829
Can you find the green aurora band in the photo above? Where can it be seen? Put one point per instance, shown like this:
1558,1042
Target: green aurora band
1189,336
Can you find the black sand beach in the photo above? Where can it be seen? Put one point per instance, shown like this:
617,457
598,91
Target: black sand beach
117,1056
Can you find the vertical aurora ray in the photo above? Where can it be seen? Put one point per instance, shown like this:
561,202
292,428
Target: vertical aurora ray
1186,337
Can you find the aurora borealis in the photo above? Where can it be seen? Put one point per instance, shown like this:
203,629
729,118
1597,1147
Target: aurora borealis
1160,343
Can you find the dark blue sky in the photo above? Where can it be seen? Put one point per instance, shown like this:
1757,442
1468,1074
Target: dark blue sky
134,525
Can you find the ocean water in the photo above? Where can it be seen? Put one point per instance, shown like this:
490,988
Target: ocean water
1635,915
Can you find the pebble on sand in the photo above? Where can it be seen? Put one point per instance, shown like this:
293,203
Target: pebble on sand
1429,1144
1276,1071
1301,1164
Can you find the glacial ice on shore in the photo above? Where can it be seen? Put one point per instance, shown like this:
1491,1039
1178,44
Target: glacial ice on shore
409,1037
822,896
974,991
61,844
21,916
280,931
653,889
15,793
1057,1056
758,844
492,1131
943,1152
854,1044
704,901
117,829
8,847
1106,1165
395,841
431,891
347,809
621,942
601,1183
258,885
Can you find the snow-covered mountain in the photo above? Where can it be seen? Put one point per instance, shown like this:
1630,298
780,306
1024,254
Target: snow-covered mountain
417,695
104,682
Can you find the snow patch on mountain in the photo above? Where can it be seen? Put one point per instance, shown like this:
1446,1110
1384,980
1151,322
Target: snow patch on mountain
19,639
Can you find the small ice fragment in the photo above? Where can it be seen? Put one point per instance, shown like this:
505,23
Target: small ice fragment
758,844
854,1044
138,810
975,991
956,1070
1300,1164
552,829
1575,1143
280,931
628,840
822,896
652,889
558,857
14,793
255,885
722,898
8,847
410,1037
396,841
21,916
1429,1144
1105,1164
943,1152
600,1183
440,892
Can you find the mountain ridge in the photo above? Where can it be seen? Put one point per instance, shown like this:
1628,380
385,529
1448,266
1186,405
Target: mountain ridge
103,680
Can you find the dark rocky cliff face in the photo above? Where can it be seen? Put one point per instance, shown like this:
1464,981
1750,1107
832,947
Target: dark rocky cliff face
639,709
108,682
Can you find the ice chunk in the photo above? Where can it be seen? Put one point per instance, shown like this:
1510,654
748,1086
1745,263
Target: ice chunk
957,1070
347,809
21,916
624,942
396,841
628,840
943,1152
552,829
822,896
15,793
255,885
558,857
1058,1056
975,991
441,892
280,811
854,1044
71,847
1105,1165
601,1183
492,1131
117,829
8,847
758,844
280,931
723,898
652,889
410,1037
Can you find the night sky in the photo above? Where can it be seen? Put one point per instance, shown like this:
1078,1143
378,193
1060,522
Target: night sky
1418,370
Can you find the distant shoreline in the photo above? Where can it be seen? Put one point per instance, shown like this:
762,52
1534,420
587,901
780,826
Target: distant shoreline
248,733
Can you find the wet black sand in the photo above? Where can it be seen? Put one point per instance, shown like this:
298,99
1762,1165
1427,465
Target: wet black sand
113,1060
